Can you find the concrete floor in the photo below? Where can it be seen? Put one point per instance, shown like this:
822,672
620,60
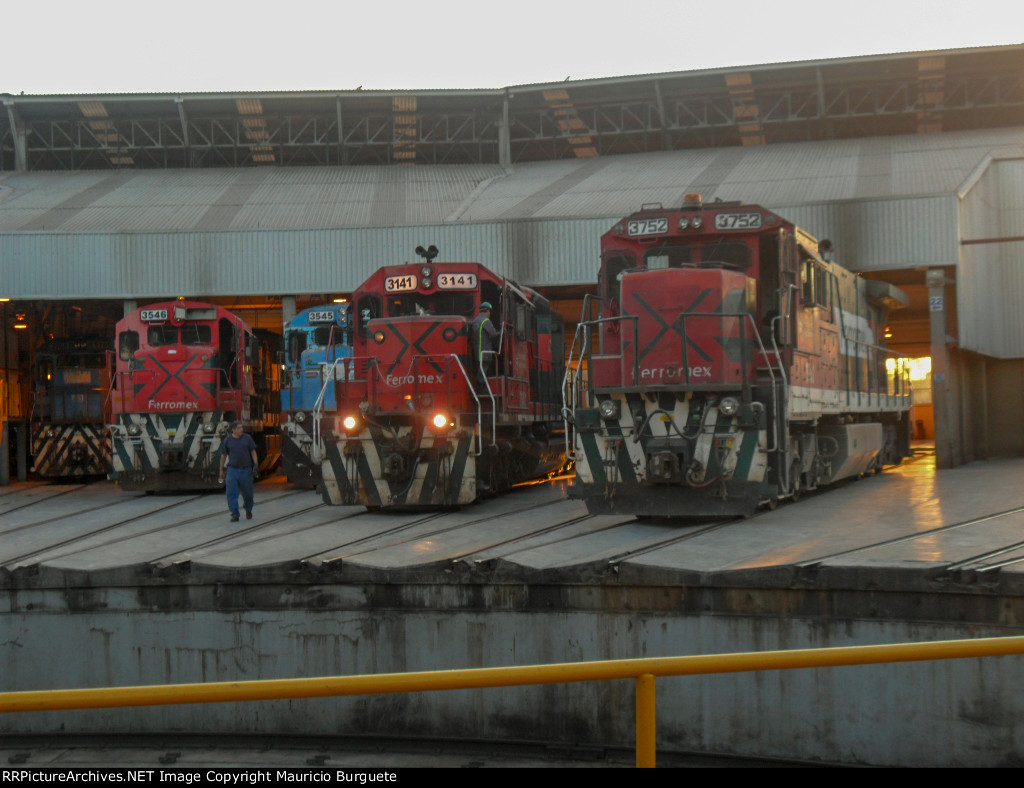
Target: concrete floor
104,588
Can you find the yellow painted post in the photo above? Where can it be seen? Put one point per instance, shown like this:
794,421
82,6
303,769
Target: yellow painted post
645,721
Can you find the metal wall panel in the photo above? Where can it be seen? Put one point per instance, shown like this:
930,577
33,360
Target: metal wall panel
100,265
990,277
868,236
884,234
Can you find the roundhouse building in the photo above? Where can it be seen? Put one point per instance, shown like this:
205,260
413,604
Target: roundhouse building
911,164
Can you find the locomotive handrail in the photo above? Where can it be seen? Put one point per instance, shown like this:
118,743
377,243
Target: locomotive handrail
567,375
472,390
569,391
329,377
479,406
585,327
635,319
783,467
872,359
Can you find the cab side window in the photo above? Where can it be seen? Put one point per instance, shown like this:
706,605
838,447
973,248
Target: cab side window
127,344
367,309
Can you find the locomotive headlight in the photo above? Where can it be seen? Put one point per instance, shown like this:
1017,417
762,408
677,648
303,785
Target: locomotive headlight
425,271
609,409
684,223
51,433
299,417
350,422
378,337
134,429
426,281
439,421
696,223
728,406
209,427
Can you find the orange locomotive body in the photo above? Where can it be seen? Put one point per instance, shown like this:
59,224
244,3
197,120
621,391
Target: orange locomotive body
414,426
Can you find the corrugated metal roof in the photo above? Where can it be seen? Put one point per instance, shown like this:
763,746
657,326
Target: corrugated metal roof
249,199
332,197
885,203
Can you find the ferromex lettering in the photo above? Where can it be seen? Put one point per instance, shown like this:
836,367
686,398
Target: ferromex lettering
406,380
674,373
186,405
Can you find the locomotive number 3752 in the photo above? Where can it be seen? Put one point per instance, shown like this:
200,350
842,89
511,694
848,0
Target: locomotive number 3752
738,221
658,226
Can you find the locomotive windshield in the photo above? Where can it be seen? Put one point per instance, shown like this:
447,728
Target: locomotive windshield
410,304
734,254
72,361
190,334
324,336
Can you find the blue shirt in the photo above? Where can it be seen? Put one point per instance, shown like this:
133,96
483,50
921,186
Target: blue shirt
238,450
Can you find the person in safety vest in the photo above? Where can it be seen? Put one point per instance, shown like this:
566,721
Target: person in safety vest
481,339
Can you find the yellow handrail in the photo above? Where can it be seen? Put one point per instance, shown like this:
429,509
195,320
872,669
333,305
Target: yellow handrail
644,671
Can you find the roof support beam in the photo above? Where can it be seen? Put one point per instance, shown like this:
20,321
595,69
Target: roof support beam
183,117
666,137
504,138
342,158
19,135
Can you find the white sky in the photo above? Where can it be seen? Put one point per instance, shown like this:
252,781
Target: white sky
213,45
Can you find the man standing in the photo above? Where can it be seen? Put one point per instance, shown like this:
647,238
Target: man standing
480,328
238,457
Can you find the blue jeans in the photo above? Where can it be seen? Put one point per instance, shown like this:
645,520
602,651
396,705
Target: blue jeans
239,480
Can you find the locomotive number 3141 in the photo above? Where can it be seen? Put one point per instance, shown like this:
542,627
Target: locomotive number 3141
400,284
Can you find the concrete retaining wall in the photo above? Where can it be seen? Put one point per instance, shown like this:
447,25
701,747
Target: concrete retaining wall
960,713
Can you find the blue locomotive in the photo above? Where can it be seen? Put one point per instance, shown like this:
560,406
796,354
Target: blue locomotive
70,384
315,341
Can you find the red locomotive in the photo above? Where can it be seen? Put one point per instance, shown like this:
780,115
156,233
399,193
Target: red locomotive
183,371
729,365
415,426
